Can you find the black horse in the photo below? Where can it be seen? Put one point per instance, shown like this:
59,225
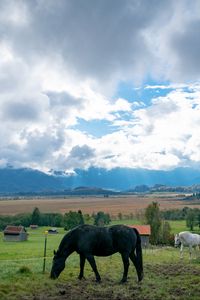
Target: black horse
89,240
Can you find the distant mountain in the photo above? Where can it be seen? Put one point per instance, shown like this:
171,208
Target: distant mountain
124,178
28,180
89,191
33,181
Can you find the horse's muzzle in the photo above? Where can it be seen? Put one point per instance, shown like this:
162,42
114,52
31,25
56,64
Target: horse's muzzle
53,275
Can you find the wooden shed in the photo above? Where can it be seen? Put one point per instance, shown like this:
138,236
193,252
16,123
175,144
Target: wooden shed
15,234
145,232
53,231
33,226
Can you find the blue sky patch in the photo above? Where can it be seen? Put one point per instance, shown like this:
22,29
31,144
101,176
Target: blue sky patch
96,128
145,93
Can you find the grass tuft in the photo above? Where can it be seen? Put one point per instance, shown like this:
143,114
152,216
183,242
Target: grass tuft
24,270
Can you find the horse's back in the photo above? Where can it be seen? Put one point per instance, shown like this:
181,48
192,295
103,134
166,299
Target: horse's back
104,241
188,238
94,240
123,237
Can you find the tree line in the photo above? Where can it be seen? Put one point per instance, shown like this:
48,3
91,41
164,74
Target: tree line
68,220
158,220
190,215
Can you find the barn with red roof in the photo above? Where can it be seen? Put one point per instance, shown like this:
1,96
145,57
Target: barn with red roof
15,233
145,232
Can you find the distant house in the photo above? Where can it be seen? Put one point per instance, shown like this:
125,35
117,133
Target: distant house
145,232
32,226
53,231
15,234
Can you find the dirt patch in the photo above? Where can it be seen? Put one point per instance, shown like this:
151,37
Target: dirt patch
162,281
112,205
172,269
68,292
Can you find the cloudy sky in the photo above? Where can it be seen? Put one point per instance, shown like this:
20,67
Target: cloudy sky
110,83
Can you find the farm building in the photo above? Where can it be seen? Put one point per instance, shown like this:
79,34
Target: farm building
32,226
15,234
145,232
53,231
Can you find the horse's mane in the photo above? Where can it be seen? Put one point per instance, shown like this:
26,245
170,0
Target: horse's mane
65,241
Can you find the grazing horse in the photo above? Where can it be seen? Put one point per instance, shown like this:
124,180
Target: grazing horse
89,240
187,239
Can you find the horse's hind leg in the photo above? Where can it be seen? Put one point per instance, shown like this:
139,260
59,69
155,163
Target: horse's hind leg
82,264
190,251
196,252
125,259
92,263
137,267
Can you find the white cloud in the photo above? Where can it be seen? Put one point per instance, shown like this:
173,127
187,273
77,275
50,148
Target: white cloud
62,61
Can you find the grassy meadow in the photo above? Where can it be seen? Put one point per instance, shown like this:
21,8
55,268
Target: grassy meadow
166,276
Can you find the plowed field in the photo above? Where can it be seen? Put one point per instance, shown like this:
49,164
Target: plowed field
113,205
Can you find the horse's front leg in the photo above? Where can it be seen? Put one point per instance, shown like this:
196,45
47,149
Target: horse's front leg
125,259
92,263
82,264
181,251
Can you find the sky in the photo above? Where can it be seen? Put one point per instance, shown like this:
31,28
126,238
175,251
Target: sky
110,83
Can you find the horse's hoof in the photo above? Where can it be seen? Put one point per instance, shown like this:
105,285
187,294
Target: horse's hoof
98,280
123,281
140,278
139,282
81,277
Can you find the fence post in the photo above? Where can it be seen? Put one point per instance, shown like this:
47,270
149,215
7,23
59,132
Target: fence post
45,251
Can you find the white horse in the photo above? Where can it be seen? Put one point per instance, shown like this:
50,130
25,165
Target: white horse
187,239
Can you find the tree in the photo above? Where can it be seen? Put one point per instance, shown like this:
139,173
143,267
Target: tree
153,218
73,219
101,219
167,237
120,216
190,219
198,219
81,217
36,216
58,220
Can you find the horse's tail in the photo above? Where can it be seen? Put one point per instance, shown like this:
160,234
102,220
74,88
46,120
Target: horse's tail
139,258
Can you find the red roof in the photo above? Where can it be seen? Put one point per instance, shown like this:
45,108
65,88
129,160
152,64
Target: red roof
14,229
143,229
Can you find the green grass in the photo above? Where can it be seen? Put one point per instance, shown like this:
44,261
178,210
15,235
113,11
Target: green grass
178,226
133,221
166,277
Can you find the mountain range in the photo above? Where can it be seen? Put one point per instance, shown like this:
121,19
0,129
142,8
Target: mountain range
27,180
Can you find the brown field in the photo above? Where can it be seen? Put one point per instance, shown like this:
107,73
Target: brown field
113,205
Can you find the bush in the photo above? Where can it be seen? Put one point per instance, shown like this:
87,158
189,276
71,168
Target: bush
73,219
101,218
24,270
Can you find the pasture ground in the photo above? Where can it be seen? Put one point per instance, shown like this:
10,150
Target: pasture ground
166,276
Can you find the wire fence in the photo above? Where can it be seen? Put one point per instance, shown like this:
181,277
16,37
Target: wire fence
25,259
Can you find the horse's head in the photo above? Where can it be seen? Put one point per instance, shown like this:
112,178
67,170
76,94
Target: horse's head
58,265
177,240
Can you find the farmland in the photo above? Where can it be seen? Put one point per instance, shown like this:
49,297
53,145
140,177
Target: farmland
166,276
112,205
21,263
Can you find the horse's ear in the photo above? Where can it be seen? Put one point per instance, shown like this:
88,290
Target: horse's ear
54,252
